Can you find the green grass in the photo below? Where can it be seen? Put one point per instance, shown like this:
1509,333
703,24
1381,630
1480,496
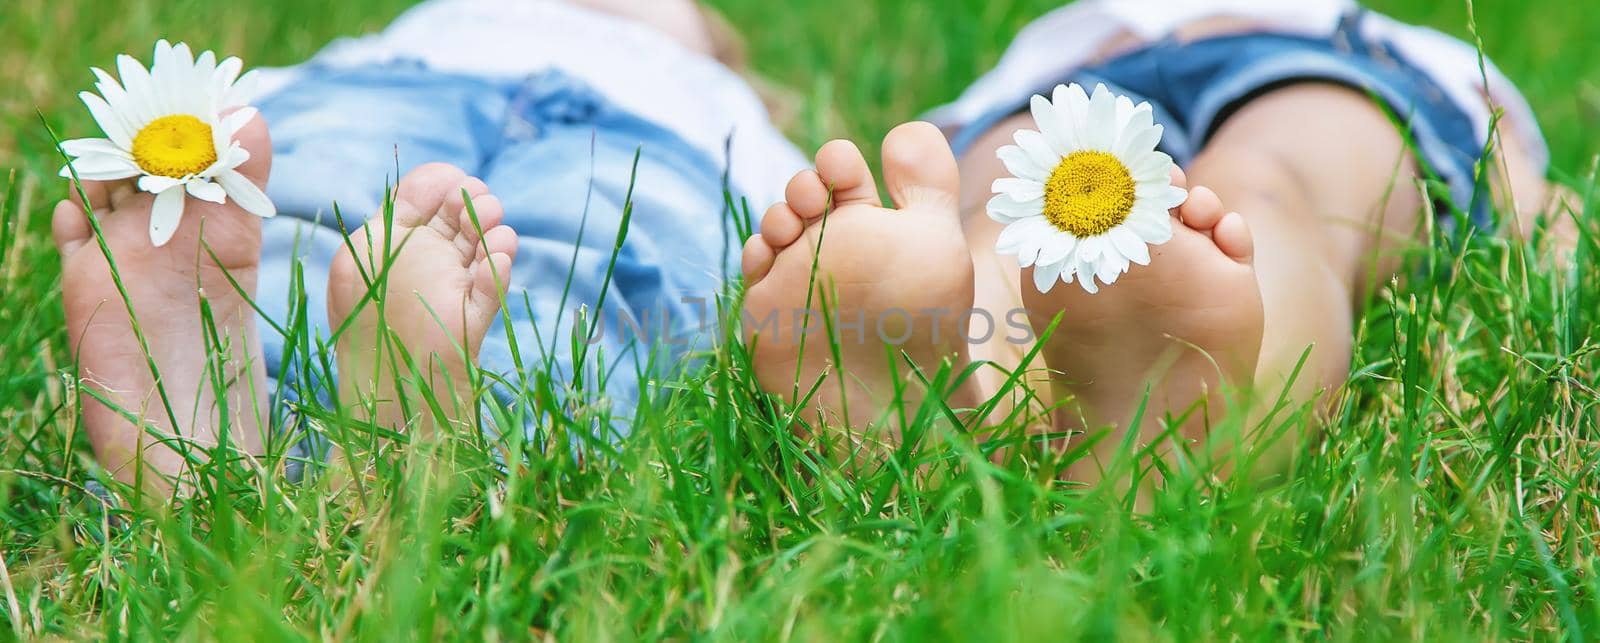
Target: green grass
1452,495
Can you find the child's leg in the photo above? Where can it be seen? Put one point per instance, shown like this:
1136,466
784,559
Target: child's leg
1330,190
210,377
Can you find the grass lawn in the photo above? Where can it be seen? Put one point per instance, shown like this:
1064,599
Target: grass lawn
1452,494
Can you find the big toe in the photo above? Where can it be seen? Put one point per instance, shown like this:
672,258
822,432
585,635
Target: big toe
70,227
918,166
257,140
426,189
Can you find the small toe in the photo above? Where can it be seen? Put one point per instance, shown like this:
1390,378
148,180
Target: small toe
781,226
846,174
1232,235
757,260
70,227
806,195
918,166
501,240
1202,210
487,210
490,278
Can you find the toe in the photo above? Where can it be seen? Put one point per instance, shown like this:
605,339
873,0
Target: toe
845,173
256,140
806,195
918,166
490,277
500,240
97,192
70,227
781,226
1233,237
486,213
423,192
757,261
1202,210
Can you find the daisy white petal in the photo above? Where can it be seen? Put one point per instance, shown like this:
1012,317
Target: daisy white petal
234,157
1102,115
205,68
161,78
165,215
1091,248
1130,245
1143,117
116,98
1004,209
1021,165
244,192
1019,189
158,184
1112,267
1023,235
89,146
108,120
1154,229
242,91
1073,105
1136,140
136,81
100,167
1153,165
1124,112
1059,247
207,191
1044,112
1037,148
1046,276
1085,272
236,121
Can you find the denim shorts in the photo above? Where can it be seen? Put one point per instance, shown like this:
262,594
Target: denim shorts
561,159
1194,86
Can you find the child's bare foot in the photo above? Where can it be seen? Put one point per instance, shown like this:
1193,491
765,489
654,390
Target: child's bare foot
890,279
165,286
443,290
1181,329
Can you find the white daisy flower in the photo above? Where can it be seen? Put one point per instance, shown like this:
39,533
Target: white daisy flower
1089,193
166,125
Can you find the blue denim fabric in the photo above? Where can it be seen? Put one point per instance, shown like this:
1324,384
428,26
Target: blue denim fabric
1193,87
558,156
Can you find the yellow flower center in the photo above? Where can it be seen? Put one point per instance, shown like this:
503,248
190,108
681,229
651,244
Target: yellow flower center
174,146
1088,194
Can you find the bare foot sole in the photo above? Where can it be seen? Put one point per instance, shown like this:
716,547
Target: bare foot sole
894,283
212,386
1181,330
421,311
